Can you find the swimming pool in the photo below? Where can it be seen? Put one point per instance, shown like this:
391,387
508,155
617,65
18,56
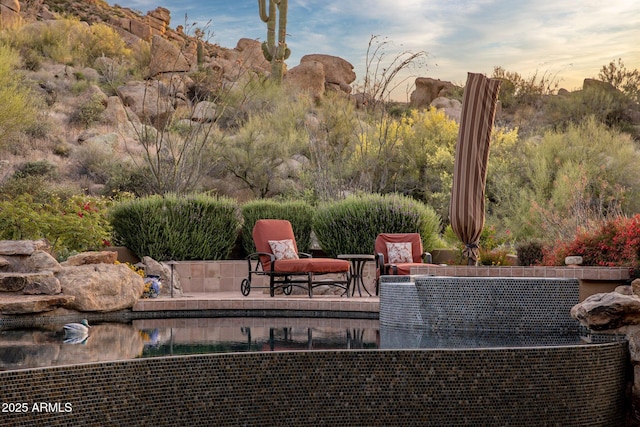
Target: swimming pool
565,383
44,346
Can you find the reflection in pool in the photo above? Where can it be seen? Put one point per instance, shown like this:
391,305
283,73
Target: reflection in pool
45,346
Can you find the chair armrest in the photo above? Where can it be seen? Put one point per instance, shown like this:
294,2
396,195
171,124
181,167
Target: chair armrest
304,255
379,260
426,258
257,255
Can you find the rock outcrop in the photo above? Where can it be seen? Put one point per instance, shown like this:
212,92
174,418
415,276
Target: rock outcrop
101,287
607,311
338,73
428,89
166,57
308,77
148,100
10,13
32,281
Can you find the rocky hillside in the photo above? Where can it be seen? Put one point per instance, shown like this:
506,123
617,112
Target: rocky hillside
92,120
182,70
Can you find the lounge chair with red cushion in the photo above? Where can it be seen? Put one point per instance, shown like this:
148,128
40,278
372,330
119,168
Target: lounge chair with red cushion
397,253
278,258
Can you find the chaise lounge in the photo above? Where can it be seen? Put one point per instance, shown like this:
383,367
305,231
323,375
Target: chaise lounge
277,257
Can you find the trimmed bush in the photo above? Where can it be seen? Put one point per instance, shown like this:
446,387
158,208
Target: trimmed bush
530,252
350,226
177,228
298,213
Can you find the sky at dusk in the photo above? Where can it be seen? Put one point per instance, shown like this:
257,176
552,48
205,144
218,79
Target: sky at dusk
569,40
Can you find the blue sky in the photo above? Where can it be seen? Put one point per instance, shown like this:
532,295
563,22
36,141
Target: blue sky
568,39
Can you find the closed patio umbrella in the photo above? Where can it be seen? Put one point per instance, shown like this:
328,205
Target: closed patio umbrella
466,211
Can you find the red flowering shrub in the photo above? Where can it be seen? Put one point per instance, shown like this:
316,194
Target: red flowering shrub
616,243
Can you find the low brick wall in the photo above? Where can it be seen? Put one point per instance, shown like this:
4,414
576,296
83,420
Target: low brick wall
225,276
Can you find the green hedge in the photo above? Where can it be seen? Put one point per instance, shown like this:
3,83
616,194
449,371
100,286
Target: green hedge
177,228
350,226
298,213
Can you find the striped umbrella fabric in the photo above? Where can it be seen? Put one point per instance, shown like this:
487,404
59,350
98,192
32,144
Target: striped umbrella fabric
466,211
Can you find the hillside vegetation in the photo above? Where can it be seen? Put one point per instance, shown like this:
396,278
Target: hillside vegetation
560,162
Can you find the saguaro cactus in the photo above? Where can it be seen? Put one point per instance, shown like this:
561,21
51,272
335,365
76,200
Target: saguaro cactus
275,53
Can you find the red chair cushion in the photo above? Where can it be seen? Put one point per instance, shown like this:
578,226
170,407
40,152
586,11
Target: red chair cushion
405,269
311,265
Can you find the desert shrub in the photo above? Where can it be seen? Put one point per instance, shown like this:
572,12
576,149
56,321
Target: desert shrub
494,245
350,226
98,161
19,102
413,155
574,107
74,224
37,168
104,41
131,179
622,78
298,213
89,112
615,243
577,178
494,257
530,252
70,41
166,228
517,90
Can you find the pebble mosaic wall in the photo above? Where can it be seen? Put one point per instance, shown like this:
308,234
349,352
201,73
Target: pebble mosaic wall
498,303
565,386
537,305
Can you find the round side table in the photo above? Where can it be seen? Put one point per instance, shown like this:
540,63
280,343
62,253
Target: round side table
358,262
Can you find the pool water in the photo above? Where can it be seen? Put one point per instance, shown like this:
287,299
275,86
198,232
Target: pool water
45,346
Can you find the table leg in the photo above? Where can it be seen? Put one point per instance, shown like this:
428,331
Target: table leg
357,266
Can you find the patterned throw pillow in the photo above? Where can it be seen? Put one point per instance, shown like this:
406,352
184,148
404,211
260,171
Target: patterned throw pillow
283,249
399,252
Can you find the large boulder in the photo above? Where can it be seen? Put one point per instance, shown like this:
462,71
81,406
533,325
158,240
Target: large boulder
598,85
307,77
41,261
150,101
247,54
10,13
101,287
166,58
36,262
607,311
428,89
451,107
338,73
